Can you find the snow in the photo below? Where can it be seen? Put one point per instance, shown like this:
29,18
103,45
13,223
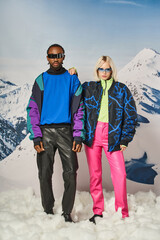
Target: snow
13,102
143,68
22,218
142,71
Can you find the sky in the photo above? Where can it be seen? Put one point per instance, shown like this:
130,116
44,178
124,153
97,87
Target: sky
87,29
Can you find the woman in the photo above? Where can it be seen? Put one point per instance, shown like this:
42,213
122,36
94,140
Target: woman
110,124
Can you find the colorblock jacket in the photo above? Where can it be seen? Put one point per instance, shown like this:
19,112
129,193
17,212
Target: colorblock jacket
34,109
122,113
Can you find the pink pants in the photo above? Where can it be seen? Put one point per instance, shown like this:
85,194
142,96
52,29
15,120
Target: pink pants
117,168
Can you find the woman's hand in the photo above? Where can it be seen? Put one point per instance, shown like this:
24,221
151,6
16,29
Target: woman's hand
72,71
122,147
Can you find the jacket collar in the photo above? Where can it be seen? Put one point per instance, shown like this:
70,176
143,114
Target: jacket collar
56,72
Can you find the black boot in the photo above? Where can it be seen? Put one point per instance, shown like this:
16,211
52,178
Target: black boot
67,217
49,211
92,219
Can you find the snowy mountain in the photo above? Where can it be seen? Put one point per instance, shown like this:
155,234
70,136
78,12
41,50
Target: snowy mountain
142,76
5,86
13,102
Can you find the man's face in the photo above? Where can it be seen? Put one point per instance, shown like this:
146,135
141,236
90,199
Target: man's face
55,63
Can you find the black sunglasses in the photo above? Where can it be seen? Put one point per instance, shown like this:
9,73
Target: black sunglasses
58,55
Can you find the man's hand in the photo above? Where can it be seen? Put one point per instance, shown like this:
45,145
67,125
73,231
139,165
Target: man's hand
72,71
39,148
76,147
122,147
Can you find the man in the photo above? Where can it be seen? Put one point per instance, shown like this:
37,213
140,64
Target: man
55,120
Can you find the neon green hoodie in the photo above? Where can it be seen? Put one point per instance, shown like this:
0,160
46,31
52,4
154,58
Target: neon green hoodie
104,114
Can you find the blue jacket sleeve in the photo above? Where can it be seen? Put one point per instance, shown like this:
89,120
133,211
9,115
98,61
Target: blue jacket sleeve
129,118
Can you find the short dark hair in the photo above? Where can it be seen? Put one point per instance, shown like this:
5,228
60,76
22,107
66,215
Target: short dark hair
55,45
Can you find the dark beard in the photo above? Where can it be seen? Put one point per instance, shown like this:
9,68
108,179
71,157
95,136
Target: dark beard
56,68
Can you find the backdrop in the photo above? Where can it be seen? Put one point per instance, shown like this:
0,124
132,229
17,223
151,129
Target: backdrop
128,31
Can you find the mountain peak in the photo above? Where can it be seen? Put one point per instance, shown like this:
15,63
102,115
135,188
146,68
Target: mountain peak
146,53
7,82
146,61
143,70
6,86
149,50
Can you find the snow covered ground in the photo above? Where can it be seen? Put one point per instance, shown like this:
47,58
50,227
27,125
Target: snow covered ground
22,218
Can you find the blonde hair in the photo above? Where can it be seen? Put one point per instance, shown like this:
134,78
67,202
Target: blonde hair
100,62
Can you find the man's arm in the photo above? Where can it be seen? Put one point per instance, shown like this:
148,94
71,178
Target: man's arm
33,121
78,116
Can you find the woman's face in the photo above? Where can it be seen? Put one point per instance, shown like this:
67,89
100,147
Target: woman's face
105,71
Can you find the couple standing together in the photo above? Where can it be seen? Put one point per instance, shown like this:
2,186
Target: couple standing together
62,113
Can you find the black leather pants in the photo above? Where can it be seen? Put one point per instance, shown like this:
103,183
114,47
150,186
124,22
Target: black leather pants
61,139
